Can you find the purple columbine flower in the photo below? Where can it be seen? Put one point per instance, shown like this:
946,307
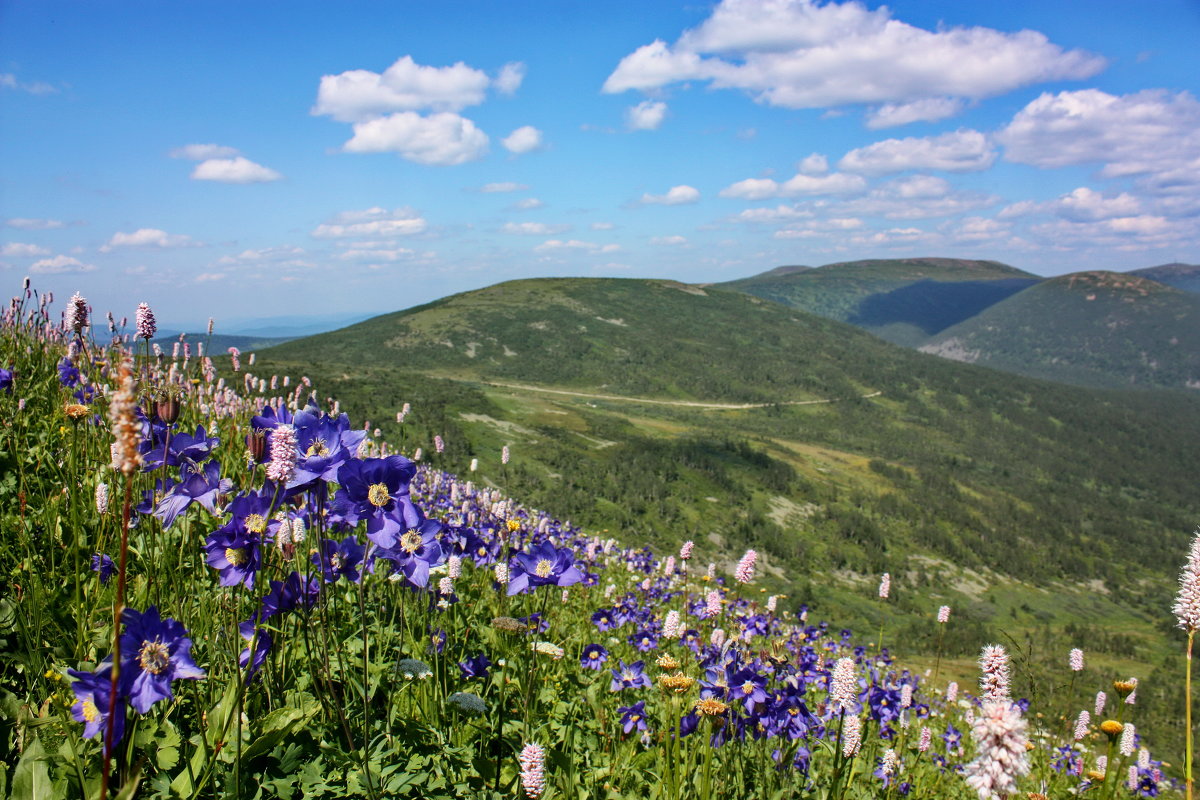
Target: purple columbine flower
476,667
68,375
544,565
235,553
749,687
154,652
289,593
179,448
93,697
6,380
339,558
415,552
630,676
633,716
104,566
644,640
593,657
377,490
199,485
262,646
323,444
603,620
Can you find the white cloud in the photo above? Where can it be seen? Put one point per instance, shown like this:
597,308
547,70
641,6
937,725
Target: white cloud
440,139
234,170
523,140
777,214
148,237
975,230
59,264
371,222
801,54
1132,233
963,150
602,226
203,152
668,240
815,164
1153,135
376,254
646,115
527,204
26,224
507,186
915,197
675,196
835,183
534,228
927,109
210,277
260,255
551,245
508,80
19,250
10,81
1085,204
358,95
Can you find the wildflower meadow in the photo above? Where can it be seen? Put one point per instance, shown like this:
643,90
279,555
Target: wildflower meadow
216,585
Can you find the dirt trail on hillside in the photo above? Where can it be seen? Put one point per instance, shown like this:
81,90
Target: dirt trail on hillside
686,403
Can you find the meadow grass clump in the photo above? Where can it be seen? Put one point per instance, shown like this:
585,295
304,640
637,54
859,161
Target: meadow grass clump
218,587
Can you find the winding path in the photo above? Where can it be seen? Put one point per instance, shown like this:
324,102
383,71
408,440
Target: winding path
686,403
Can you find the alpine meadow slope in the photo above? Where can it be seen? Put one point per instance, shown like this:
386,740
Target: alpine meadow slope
1037,510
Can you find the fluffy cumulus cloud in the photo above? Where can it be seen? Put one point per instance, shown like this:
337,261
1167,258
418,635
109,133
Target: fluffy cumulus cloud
927,109
1152,135
59,264
833,183
806,54
284,254
234,170
675,196
668,241
963,150
144,238
523,140
359,94
439,139
915,197
20,250
372,222
527,204
412,109
647,115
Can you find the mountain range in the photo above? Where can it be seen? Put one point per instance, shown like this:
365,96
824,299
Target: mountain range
1093,328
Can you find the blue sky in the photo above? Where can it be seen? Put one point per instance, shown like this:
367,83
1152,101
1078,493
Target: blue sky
253,159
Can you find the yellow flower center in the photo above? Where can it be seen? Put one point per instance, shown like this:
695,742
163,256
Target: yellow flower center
710,707
748,687
90,712
154,657
317,448
378,495
256,523
544,568
238,556
335,562
411,542
514,525
593,655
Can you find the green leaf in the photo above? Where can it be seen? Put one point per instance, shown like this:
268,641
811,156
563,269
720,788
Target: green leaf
276,726
31,779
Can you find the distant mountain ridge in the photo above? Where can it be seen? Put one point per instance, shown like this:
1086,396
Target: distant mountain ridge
1181,276
1093,328
901,300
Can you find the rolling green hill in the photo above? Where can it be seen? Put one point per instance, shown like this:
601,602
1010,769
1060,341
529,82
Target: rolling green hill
1088,328
1181,276
902,300
1048,516
599,386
